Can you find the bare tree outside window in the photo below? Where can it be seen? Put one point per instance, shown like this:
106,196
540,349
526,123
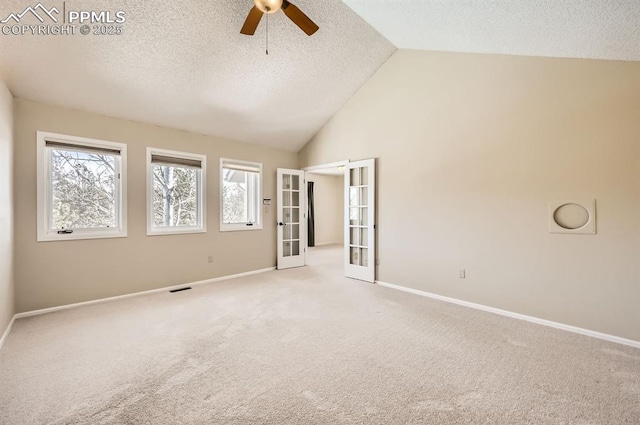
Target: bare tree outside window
175,196
83,192
81,188
234,195
240,193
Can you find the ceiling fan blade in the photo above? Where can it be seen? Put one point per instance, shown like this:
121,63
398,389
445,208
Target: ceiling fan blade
299,18
253,19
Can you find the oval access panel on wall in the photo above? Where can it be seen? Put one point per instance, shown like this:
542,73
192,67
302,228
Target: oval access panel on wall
572,217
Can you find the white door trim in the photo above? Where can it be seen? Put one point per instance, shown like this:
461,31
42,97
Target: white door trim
328,165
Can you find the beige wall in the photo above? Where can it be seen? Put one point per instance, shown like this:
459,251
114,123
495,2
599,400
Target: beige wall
471,149
6,208
329,208
56,273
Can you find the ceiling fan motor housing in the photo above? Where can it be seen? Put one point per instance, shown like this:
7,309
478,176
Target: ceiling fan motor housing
268,6
272,6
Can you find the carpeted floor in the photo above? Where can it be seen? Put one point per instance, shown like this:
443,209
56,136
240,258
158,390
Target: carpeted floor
307,346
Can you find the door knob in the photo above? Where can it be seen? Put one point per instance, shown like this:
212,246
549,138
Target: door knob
281,224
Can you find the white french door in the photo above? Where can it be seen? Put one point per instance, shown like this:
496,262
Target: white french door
292,223
359,235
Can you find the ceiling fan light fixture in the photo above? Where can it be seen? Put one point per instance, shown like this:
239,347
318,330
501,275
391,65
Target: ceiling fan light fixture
268,6
263,7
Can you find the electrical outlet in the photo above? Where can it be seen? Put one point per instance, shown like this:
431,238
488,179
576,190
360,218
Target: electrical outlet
462,274
210,259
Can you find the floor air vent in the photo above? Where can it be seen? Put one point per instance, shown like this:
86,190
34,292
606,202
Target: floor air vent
180,289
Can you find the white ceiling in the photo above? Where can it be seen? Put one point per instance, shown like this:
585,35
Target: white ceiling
184,64
598,29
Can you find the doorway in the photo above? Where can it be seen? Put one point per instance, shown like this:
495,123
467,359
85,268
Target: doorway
358,215
325,216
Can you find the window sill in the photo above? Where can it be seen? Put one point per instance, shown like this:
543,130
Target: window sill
54,237
239,227
169,232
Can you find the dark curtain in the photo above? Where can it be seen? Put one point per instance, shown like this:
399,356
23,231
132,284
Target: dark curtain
311,224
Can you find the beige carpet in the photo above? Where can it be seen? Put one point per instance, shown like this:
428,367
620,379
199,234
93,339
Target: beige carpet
306,346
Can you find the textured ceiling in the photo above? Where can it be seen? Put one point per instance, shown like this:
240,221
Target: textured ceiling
597,29
184,64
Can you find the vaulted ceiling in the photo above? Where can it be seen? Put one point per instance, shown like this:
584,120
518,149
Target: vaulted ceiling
184,64
595,29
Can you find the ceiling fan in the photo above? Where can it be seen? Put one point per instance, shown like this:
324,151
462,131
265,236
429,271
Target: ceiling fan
272,6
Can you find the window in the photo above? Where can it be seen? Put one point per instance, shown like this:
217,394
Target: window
240,195
175,192
81,188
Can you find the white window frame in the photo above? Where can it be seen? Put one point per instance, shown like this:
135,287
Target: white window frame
226,227
44,233
202,194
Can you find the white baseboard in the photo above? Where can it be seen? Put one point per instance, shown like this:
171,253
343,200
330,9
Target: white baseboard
544,322
137,294
6,332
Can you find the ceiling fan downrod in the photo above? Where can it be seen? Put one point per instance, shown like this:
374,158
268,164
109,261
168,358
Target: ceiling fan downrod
267,32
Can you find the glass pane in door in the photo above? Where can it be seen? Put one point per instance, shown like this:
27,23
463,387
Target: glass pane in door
364,255
363,216
364,237
354,199
355,177
286,198
354,216
355,233
354,253
287,215
364,192
364,176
